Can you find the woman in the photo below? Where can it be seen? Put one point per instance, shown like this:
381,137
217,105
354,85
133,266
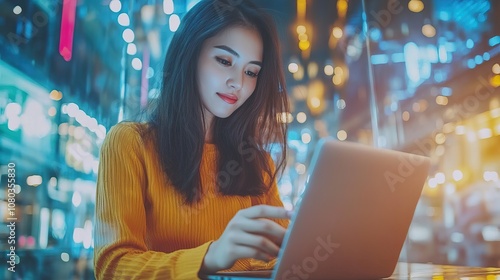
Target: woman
193,190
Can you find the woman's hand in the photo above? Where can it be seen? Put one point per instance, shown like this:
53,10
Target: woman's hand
250,234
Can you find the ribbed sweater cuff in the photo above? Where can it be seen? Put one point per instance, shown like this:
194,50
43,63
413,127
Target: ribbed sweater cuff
192,260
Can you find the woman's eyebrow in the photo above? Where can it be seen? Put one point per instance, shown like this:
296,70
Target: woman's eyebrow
233,52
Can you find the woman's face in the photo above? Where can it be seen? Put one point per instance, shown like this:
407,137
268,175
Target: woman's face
227,70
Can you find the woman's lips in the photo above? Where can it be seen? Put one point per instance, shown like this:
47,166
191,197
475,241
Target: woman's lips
228,98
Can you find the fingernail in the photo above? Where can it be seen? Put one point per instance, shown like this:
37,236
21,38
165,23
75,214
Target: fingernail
289,213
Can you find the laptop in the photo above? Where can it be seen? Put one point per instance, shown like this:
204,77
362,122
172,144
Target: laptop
353,216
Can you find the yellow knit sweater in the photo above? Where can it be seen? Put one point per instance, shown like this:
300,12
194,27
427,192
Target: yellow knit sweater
143,230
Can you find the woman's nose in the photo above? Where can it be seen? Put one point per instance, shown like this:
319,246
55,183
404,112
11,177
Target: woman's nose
235,81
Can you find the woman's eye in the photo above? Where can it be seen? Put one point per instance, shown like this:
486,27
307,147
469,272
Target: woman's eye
223,61
252,74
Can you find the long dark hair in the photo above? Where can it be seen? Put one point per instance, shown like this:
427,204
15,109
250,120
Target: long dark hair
242,139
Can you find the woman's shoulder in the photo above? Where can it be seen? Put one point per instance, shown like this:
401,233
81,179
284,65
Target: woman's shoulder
129,128
127,133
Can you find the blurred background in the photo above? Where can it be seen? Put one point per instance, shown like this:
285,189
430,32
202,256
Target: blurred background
420,76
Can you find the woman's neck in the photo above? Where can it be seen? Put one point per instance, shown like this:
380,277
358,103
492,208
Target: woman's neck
209,128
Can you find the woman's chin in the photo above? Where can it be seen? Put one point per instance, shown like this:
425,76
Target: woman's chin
223,115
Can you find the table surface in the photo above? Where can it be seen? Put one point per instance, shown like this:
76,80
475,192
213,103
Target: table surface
433,271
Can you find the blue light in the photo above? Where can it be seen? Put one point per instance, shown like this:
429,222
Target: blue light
398,57
478,59
451,47
471,64
375,34
190,4
443,54
444,16
495,40
469,44
379,59
432,54
486,56
394,106
293,135
446,91
412,55
425,69
439,76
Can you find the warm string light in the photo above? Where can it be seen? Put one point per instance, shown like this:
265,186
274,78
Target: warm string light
304,43
301,9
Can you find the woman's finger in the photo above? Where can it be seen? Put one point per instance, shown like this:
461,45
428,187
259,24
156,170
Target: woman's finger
243,251
265,211
258,242
265,227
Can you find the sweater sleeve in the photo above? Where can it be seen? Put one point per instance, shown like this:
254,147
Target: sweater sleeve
120,250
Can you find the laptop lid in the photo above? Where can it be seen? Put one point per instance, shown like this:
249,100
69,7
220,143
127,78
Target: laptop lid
353,216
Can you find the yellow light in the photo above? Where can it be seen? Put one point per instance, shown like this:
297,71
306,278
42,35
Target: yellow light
301,117
495,81
415,6
55,95
423,104
342,8
315,102
497,129
495,113
440,138
491,277
300,168
496,69
471,136
34,180
448,127
301,29
52,111
328,70
337,32
458,175
460,130
339,71
306,138
293,67
337,80
312,70
342,135
315,97
285,117
303,37
441,100
416,107
299,74
304,45
439,151
484,133
406,116
301,8
429,30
